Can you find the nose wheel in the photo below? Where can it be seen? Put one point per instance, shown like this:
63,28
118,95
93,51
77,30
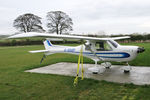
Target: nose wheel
127,68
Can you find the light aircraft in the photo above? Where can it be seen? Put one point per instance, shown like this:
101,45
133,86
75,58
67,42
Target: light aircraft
97,49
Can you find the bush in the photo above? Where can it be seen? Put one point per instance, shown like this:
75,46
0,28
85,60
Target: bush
33,42
13,43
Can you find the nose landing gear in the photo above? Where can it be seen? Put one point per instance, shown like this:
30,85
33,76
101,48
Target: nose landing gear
127,68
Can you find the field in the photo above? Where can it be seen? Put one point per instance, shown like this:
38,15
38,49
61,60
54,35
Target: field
15,84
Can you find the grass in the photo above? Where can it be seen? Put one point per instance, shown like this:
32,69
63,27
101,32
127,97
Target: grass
15,84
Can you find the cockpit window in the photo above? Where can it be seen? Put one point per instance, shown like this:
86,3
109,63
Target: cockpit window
102,46
113,43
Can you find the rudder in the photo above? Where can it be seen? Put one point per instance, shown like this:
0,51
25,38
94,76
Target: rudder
47,44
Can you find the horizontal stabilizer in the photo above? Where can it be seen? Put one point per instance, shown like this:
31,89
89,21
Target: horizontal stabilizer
38,51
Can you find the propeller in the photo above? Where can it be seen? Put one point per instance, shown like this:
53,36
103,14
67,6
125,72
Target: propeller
140,50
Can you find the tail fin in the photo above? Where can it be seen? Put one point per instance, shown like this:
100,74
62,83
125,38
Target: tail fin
47,44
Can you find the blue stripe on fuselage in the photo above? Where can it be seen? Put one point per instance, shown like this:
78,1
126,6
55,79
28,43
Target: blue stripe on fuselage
123,54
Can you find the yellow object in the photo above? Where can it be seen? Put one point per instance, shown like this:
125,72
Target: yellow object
82,63
80,59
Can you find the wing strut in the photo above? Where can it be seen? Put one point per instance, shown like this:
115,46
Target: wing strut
100,59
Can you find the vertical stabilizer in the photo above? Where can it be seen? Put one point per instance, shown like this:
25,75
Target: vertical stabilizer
47,44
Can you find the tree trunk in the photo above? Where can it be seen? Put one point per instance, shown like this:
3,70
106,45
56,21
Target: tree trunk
60,31
57,31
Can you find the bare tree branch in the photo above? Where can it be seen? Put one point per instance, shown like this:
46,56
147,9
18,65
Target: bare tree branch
28,23
59,22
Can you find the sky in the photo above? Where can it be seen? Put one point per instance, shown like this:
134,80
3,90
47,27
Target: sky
89,16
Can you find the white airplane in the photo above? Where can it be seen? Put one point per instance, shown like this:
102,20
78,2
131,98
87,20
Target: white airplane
97,49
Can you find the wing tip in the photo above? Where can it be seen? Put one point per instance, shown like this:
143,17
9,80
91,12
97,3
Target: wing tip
119,38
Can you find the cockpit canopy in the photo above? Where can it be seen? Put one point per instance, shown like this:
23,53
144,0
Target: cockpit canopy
102,45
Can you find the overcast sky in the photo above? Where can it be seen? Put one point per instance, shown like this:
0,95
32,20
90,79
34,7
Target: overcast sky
89,16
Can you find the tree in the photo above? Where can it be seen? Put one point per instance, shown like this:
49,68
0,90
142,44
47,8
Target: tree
59,22
28,23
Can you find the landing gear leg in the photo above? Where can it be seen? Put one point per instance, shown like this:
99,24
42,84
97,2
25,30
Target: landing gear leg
94,69
107,65
127,68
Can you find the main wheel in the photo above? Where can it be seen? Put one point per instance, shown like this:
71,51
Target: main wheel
95,72
126,71
107,67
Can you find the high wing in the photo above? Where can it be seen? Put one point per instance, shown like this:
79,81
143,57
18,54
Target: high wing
46,35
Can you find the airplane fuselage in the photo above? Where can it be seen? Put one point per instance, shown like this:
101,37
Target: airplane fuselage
119,54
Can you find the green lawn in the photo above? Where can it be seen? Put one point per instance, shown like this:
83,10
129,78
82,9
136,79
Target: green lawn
15,84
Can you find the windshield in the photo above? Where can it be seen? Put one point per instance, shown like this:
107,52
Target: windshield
113,43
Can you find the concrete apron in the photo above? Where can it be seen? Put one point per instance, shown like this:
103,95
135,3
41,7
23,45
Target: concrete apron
138,75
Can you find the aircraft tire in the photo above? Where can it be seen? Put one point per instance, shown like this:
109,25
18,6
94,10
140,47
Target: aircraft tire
126,71
107,67
95,72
